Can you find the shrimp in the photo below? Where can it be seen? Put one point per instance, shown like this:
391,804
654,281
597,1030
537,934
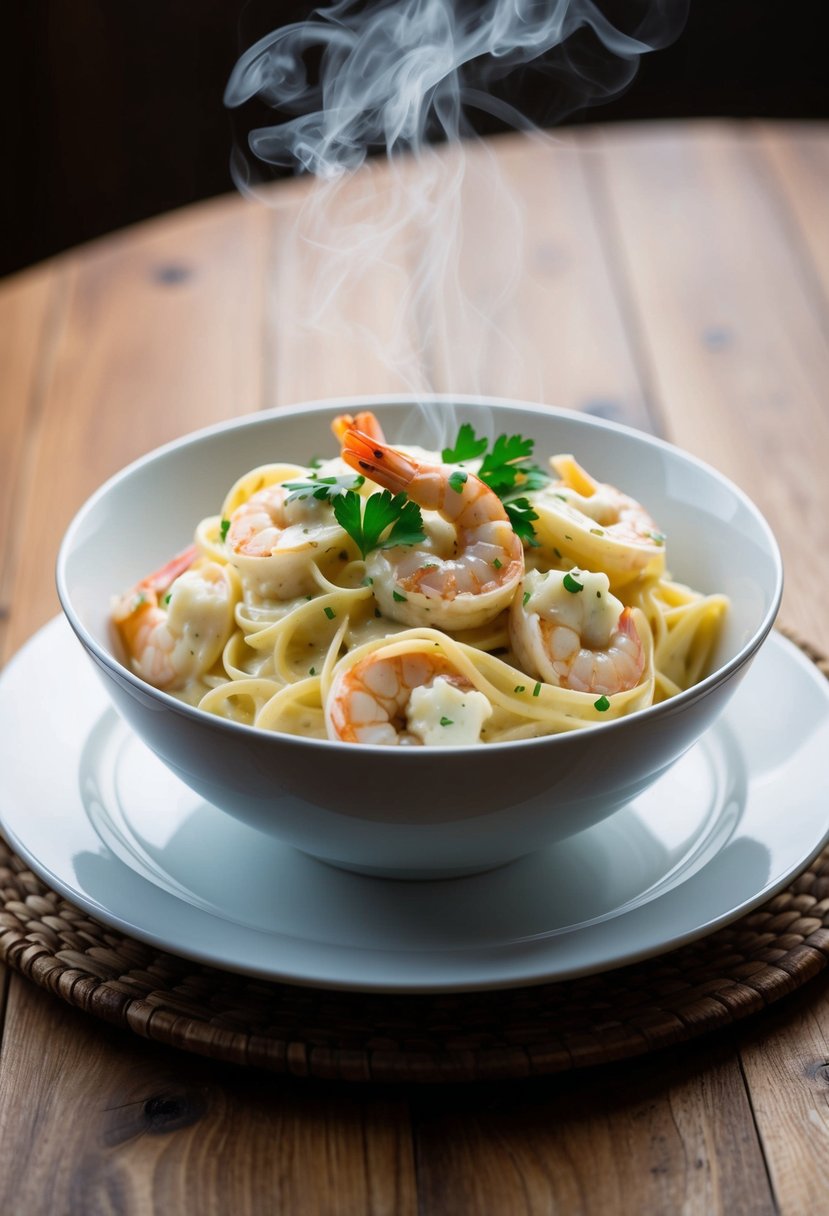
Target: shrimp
596,526
275,544
463,575
175,622
365,421
414,697
567,629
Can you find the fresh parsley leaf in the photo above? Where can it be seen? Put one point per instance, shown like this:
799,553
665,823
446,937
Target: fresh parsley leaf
383,512
224,528
326,489
571,584
521,515
467,446
507,469
602,704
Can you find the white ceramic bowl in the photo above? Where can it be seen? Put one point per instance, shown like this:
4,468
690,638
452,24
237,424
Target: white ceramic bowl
418,812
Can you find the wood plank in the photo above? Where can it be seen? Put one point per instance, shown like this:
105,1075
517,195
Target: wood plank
737,355
92,1120
798,155
162,335
338,272
30,308
785,1059
669,1134
532,264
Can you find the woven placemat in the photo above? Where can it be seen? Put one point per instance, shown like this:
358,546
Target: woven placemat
447,1037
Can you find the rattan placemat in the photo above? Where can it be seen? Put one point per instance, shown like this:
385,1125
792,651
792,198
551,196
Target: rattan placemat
447,1037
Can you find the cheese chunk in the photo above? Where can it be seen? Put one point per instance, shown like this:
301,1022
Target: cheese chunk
441,715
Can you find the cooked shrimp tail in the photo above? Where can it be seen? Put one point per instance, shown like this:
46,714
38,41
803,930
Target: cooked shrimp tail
364,421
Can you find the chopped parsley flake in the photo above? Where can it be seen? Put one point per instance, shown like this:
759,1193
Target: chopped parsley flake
597,531
497,563
168,597
520,688
447,722
557,553
312,671
570,584
536,690
657,537
224,527
329,612
397,595
526,599
458,480
602,704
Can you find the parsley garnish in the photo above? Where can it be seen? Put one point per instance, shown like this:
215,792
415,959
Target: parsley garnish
168,597
467,446
602,704
458,480
224,527
366,524
526,599
570,584
519,688
521,514
536,690
326,489
497,563
507,469
396,595
447,722
329,612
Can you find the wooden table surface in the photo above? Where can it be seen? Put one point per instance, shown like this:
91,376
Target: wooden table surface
675,277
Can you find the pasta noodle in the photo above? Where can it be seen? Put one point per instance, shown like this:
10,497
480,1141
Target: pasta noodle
502,612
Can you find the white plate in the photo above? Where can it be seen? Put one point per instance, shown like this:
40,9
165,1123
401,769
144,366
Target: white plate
105,823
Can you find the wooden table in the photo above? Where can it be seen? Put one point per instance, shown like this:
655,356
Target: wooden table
674,277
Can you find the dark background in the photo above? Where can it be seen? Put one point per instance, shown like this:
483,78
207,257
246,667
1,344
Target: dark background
112,109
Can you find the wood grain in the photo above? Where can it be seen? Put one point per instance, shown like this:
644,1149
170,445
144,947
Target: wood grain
786,1062
666,1136
737,355
111,1125
532,272
30,317
160,334
798,157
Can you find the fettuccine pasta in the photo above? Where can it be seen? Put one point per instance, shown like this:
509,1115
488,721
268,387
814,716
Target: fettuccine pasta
396,596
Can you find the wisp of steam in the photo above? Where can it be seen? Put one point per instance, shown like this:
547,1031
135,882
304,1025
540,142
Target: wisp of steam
400,78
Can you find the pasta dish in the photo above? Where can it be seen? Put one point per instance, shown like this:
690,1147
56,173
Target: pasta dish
392,595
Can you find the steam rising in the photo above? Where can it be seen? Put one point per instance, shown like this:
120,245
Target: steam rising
399,77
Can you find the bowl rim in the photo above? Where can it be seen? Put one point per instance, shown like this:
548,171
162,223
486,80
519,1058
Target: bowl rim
348,403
